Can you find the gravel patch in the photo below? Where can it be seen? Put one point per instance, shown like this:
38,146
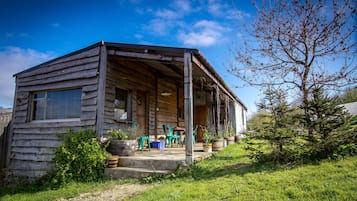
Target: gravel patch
117,193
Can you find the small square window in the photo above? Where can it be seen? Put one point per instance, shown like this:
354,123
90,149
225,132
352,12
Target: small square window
122,105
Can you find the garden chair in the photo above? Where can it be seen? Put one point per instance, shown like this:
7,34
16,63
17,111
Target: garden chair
141,142
169,135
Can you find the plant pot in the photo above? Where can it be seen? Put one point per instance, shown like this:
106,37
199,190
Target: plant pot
231,140
207,148
122,147
218,145
112,161
237,138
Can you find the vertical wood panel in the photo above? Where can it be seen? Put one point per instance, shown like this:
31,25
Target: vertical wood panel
188,94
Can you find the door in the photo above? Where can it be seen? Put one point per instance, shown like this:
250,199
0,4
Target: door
141,113
200,118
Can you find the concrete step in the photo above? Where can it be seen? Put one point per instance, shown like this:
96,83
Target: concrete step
128,172
150,163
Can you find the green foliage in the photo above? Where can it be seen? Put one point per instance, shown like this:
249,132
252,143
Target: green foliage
349,96
118,134
328,125
79,158
278,130
207,136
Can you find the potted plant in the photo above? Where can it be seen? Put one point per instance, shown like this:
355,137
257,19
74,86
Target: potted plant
230,134
207,141
120,144
218,142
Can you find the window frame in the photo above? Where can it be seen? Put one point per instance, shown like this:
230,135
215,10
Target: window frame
45,98
129,108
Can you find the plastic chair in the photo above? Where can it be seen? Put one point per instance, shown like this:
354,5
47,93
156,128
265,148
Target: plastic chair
169,135
194,134
141,142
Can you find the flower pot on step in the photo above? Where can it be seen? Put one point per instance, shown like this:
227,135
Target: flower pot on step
122,147
112,161
207,147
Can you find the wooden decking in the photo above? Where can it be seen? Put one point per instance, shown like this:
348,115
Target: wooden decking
146,163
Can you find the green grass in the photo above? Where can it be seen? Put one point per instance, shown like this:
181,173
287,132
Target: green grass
230,175
34,192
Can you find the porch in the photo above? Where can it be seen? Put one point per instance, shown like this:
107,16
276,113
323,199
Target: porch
154,162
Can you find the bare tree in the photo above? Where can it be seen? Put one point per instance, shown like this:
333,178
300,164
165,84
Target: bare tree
298,44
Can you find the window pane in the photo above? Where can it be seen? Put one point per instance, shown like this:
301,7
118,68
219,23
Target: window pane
57,104
63,104
121,104
38,110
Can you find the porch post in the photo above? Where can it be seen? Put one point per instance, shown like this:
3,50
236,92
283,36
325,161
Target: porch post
188,97
101,89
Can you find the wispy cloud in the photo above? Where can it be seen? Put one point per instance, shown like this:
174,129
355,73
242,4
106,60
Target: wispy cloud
55,25
204,33
14,60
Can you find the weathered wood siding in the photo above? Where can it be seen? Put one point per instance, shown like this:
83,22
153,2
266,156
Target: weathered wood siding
167,105
135,76
131,76
33,143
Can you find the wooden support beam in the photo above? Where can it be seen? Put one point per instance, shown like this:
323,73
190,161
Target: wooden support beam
145,56
101,90
188,97
218,110
204,69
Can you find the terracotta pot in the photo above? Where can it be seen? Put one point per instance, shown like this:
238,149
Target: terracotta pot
122,147
112,161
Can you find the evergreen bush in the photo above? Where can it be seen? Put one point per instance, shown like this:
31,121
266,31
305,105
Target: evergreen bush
79,158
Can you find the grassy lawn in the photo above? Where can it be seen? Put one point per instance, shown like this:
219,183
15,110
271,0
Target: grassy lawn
35,193
229,175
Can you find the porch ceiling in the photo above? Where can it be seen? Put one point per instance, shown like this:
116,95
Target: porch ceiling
172,68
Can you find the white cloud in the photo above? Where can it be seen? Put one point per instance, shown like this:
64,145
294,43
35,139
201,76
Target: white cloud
158,27
182,5
205,33
166,13
14,60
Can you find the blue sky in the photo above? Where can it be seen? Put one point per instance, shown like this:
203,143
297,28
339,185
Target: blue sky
35,31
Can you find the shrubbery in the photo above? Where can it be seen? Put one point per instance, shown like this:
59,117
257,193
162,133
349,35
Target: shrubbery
316,130
79,158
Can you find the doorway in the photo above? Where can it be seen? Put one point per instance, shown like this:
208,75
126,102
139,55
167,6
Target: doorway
200,118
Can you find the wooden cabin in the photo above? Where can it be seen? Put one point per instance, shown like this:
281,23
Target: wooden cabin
114,85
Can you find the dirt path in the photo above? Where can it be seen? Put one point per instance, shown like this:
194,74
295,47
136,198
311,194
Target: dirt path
118,192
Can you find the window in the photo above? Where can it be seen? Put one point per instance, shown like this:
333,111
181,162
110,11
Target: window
63,104
122,105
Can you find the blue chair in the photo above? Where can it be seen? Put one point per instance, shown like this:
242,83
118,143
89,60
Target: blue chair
169,135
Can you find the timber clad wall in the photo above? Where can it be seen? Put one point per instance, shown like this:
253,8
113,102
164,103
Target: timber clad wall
128,75
133,76
33,143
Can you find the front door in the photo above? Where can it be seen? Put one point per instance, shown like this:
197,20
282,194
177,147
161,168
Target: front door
141,113
200,118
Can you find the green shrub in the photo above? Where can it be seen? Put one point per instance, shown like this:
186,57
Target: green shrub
79,158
